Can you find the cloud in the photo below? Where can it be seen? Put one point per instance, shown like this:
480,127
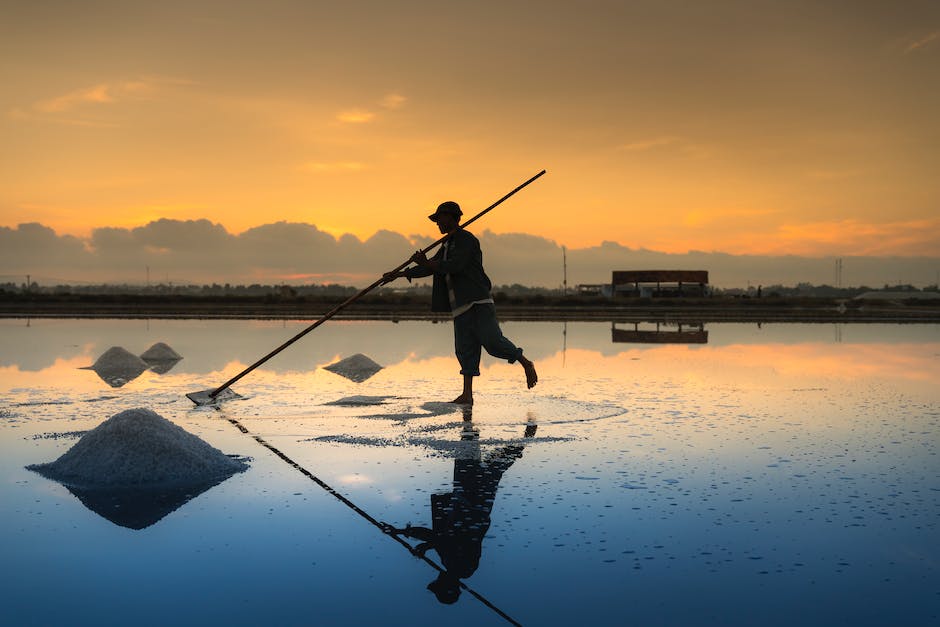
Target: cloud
393,101
924,42
200,251
390,101
100,94
355,116
74,107
180,235
97,94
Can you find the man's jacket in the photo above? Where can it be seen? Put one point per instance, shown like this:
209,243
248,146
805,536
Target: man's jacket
464,265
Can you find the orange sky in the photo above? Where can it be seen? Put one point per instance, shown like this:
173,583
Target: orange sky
756,127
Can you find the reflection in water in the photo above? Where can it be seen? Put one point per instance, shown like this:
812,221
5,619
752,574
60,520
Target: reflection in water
662,333
749,472
136,467
162,367
118,366
138,508
161,358
460,518
564,343
210,347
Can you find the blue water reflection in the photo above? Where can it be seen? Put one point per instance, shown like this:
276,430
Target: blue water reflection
779,475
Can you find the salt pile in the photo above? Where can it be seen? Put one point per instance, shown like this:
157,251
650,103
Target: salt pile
117,366
357,368
138,448
161,358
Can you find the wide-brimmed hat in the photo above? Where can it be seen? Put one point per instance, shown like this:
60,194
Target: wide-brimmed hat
446,208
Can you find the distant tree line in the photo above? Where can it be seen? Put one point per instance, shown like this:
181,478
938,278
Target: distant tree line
802,290
396,292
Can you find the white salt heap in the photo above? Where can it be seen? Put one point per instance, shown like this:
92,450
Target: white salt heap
138,448
357,368
160,352
118,365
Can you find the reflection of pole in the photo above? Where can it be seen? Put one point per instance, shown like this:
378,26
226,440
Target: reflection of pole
564,343
385,528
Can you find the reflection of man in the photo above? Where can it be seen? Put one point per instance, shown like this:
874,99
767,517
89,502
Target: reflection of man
461,518
461,287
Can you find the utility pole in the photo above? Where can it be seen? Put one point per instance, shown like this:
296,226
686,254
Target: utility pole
564,258
27,283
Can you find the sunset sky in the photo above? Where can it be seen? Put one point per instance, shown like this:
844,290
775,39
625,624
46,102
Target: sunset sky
746,127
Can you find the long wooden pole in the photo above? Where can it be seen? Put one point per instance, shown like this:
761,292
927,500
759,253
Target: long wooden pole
349,301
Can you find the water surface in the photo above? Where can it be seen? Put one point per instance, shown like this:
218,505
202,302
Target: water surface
775,474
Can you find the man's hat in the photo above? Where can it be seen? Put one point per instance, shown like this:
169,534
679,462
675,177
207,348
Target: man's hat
446,588
449,207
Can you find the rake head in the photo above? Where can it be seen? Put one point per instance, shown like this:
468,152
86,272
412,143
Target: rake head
205,397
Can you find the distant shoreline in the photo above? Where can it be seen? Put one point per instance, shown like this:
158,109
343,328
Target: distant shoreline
638,310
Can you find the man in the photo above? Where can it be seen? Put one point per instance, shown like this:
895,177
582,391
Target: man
462,288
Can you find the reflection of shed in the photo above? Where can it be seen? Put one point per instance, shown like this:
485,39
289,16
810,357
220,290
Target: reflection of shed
661,333
660,282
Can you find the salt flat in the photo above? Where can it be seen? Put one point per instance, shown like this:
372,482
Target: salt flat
775,475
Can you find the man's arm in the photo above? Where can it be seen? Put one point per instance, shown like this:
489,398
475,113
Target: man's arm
418,533
463,247
408,273
425,266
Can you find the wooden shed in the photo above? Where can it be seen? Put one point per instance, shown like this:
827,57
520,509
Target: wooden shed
632,283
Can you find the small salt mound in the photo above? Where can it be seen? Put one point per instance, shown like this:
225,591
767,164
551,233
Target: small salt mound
138,448
117,366
160,352
357,368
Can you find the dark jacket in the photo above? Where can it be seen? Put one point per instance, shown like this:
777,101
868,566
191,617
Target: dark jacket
464,264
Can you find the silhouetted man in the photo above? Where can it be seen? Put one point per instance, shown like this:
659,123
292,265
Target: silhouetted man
461,287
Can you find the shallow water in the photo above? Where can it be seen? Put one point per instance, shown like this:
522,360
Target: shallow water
783,474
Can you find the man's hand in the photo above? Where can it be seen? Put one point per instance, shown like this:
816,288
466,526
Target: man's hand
388,277
420,258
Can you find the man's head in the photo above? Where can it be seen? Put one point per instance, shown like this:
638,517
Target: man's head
446,588
447,216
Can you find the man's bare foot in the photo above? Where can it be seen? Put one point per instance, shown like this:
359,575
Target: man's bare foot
531,376
463,399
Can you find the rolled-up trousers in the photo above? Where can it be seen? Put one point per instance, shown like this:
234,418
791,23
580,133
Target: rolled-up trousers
478,328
